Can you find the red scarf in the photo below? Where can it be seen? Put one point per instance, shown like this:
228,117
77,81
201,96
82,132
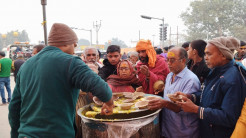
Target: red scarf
119,84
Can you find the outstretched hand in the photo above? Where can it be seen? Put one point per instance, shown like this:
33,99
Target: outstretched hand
157,103
139,89
107,108
144,70
188,106
180,93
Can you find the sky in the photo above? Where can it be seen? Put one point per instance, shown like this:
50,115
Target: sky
119,18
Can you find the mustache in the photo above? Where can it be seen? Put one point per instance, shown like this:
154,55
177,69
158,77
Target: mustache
92,60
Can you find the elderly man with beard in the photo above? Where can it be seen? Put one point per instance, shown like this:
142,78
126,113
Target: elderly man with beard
151,67
91,55
224,92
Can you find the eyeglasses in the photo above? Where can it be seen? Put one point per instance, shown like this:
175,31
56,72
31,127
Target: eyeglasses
172,60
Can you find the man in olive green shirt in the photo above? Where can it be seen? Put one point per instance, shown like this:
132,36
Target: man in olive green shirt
5,68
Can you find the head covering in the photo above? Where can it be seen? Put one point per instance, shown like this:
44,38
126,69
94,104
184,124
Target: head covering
242,44
2,53
116,80
146,45
60,35
226,45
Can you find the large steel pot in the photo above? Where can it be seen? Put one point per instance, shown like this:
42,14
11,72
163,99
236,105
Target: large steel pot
107,126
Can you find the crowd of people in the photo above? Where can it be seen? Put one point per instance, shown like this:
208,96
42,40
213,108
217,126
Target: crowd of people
210,77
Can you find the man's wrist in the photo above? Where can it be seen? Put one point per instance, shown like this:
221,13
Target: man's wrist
196,109
148,75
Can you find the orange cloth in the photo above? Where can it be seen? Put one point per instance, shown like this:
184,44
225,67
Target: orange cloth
146,45
240,129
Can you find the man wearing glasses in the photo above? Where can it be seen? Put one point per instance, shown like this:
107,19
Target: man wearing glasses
180,78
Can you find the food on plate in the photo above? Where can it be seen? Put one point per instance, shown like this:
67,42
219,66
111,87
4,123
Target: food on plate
149,98
175,98
115,97
97,101
141,104
125,106
128,100
139,94
91,113
128,94
119,94
158,86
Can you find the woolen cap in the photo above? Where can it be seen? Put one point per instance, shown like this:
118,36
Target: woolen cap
60,35
226,45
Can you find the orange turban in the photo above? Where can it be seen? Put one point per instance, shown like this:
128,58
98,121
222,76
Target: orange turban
146,45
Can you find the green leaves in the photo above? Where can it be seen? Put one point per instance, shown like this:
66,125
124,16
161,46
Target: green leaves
206,19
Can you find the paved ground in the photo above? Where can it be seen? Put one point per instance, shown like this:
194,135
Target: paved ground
4,123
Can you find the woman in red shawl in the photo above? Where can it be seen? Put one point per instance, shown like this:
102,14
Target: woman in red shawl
125,78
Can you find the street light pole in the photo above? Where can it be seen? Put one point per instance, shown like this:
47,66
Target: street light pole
162,19
44,3
97,27
153,40
84,30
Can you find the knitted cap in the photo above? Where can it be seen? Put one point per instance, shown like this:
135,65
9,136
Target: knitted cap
226,45
60,35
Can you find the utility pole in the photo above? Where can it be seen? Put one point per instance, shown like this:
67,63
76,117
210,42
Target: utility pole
163,26
161,29
170,36
44,3
177,35
97,27
84,30
153,40
139,35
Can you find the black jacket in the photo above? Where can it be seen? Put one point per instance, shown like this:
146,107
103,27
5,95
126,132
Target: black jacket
107,70
200,69
17,65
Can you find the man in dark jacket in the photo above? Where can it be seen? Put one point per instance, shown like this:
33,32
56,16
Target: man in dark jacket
223,96
241,52
110,64
17,64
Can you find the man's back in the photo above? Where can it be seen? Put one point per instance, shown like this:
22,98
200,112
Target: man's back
48,86
17,64
5,64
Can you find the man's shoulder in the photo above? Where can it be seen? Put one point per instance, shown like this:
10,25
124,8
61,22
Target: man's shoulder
107,68
18,61
231,74
188,75
4,60
160,61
